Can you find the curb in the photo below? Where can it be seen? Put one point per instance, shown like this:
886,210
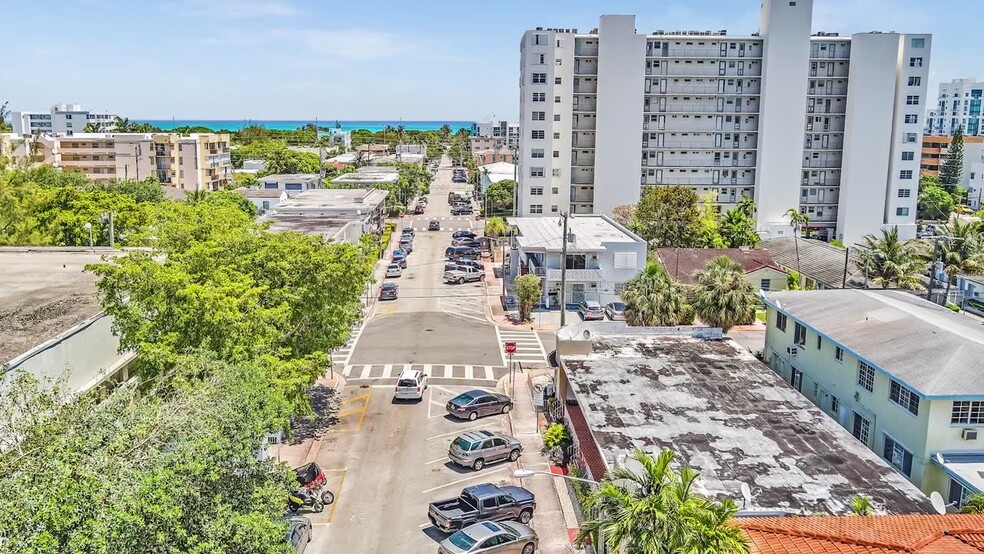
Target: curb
315,448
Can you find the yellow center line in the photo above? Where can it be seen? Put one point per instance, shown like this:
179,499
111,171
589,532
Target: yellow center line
354,398
350,412
365,409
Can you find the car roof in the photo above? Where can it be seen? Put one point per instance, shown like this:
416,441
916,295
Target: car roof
592,303
409,374
389,285
483,530
483,490
474,436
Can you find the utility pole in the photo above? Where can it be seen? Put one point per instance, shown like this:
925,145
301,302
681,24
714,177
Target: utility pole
932,268
563,274
515,209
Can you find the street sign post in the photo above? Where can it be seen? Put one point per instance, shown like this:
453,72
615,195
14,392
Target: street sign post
510,348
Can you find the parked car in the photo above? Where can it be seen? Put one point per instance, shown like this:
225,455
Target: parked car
458,179
406,244
411,385
419,209
434,225
461,252
299,533
465,241
471,263
408,231
389,291
591,310
399,253
487,537
394,270
462,210
477,448
475,403
423,200
460,234
400,261
463,274
482,502
615,311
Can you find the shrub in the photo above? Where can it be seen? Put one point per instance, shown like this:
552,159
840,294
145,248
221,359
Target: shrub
395,210
953,306
555,435
687,315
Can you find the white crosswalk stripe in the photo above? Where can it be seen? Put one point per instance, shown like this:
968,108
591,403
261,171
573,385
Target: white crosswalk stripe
372,372
529,348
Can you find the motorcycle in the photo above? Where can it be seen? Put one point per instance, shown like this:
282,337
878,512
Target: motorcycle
302,499
312,480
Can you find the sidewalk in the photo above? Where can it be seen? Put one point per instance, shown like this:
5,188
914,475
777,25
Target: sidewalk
554,519
542,320
309,434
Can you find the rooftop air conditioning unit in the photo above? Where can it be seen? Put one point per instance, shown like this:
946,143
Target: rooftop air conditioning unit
969,434
792,350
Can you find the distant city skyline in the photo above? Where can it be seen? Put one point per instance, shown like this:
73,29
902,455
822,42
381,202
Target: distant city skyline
293,59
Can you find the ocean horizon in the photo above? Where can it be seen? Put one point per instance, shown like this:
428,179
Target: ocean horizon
291,124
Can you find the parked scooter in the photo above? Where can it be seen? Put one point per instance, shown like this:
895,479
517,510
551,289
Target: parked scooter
304,499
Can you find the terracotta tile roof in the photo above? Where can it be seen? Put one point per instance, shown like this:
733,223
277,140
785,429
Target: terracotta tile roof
682,263
918,534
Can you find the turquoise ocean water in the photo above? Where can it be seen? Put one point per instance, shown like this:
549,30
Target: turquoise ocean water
236,124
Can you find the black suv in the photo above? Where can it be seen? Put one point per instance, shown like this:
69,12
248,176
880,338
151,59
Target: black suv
462,252
459,234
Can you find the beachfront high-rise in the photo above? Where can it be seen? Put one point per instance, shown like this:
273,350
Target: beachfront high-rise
958,104
66,119
825,124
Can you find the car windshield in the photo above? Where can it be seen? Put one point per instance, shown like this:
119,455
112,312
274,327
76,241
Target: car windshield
407,383
618,306
394,266
389,286
462,444
509,529
462,540
463,398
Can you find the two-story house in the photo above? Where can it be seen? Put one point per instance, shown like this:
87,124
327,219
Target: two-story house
904,375
601,256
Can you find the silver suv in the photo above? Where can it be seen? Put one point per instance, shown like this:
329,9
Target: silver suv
477,448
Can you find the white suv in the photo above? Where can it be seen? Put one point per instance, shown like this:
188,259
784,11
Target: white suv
411,385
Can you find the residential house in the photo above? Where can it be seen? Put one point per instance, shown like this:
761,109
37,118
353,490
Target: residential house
723,412
493,173
293,183
601,256
490,156
367,206
760,269
370,152
821,265
479,143
902,374
264,200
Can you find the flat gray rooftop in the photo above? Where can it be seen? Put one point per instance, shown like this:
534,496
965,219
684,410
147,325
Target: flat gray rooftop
731,418
591,232
307,224
43,293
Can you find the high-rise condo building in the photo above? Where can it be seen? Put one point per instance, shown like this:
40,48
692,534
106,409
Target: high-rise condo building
66,119
825,124
957,105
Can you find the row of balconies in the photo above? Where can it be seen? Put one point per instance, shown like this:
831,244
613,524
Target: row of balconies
700,162
836,142
684,124
831,160
748,106
583,140
752,87
702,70
586,66
819,197
582,123
706,141
582,194
828,91
672,179
582,159
836,51
584,86
672,51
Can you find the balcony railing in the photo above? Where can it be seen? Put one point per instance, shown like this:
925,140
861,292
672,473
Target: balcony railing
576,275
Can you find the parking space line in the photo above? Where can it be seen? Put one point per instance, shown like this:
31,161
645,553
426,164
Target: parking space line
387,369
459,431
489,375
470,478
435,461
338,494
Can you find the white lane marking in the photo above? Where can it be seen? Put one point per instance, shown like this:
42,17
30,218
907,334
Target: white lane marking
489,375
471,478
458,432
430,401
445,458
469,372
387,369
365,372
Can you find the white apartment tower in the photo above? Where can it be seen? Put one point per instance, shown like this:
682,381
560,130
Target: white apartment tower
957,105
65,119
825,124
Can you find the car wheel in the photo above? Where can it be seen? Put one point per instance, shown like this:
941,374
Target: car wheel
478,465
461,280
473,416
506,408
481,277
514,455
525,516
327,497
529,548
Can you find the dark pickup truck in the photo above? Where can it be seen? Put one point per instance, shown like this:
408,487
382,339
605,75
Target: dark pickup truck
480,503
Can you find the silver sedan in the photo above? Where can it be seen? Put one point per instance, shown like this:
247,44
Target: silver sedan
486,537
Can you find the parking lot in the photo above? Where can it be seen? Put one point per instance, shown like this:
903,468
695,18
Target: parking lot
388,461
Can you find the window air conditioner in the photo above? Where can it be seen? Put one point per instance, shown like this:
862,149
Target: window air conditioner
969,434
791,350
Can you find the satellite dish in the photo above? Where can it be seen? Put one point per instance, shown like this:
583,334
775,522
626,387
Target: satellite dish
938,504
586,334
939,458
746,493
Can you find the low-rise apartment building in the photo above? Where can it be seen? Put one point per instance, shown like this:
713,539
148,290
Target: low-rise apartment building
497,128
903,375
934,150
601,256
66,119
760,270
367,206
293,183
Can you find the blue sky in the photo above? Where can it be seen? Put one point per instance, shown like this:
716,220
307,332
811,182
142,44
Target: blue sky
382,59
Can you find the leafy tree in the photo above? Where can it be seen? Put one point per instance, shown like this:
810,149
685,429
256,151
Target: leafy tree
861,506
528,290
935,203
797,220
4,115
667,216
709,221
171,469
962,251
247,180
794,281
496,227
837,243
624,215
889,261
93,127
654,510
653,298
445,132
499,197
737,226
723,296
952,171
146,190
973,505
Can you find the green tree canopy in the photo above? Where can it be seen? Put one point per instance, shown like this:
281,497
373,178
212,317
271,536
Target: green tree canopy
667,216
962,251
889,261
500,197
723,297
951,172
528,290
935,203
653,298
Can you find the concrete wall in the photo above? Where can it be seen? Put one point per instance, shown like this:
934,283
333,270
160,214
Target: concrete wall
777,279
618,136
785,31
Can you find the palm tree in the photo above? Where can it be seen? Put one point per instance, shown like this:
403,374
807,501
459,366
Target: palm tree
92,127
655,510
798,221
962,251
495,227
888,260
973,505
861,506
653,298
121,124
445,131
723,296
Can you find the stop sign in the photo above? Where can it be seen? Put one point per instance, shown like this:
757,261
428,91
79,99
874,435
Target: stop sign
510,347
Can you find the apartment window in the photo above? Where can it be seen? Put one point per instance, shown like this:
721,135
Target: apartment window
781,322
556,100
539,39
536,153
555,172
764,284
536,208
866,376
905,193
796,379
553,209
918,43
538,134
536,191
905,174
904,397
909,137
898,456
68,116
536,172
834,404
915,81
539,97
839,354
799,334
819,342
902,211
539,116
967,412
911,118
557,79
908,156
861,428
912,100
556,117
539,78
556,153
556,136
915,62
559,61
